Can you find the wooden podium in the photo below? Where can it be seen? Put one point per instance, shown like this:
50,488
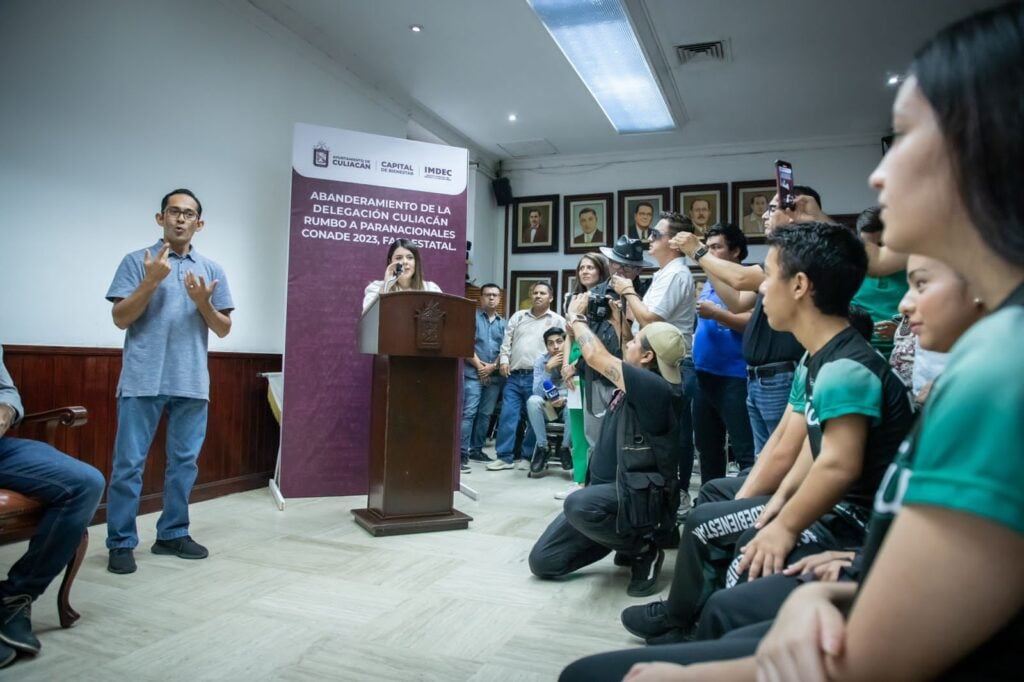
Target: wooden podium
418,339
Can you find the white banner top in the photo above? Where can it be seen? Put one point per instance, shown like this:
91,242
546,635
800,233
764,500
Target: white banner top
346,156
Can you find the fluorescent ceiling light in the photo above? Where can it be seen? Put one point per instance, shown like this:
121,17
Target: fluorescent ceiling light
598,40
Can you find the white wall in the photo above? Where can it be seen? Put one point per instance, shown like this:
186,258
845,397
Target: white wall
838,169
107,105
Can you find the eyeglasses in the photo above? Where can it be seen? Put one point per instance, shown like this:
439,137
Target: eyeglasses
656,234
188,214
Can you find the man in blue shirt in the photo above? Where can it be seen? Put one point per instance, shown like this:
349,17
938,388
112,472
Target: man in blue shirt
720,405
167,297
483,383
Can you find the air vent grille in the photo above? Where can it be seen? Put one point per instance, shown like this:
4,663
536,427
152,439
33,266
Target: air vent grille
715,51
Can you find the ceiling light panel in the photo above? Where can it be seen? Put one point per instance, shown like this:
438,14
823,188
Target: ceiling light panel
598,40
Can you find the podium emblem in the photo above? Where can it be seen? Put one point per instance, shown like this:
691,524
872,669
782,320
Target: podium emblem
320,155
429,323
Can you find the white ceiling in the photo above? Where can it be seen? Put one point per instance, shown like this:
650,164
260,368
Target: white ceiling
799,69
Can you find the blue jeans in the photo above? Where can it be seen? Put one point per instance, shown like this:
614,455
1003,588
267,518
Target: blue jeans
518,389
766,403
478,403
137,419
70,491
720,408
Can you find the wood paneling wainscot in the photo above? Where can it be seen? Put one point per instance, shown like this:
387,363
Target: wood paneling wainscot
241,438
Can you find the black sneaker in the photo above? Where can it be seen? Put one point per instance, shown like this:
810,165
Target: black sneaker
16,624
565,457
647,620
465,468
645,571
7,654
674,636
479,456
622,559
183,548
122,560
540,459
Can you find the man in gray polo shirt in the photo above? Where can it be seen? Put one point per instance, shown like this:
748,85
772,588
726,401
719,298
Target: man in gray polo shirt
167,297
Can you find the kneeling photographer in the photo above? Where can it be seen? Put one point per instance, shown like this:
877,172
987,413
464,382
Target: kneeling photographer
629,506
671,298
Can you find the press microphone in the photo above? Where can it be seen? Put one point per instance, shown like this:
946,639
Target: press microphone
550,394
398,269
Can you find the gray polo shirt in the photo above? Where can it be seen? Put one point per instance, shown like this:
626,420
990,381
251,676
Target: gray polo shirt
165,349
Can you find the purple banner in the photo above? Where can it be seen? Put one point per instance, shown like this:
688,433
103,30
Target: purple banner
340,234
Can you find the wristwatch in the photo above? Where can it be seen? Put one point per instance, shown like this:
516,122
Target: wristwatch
579,318
700,253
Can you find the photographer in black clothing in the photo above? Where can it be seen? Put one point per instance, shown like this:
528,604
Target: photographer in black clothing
634,486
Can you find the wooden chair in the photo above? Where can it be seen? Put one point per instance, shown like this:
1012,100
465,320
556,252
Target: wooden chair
19,515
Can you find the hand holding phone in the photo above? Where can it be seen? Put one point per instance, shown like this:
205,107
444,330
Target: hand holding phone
784,184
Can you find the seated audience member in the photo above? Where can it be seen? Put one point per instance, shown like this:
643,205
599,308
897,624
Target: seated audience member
548,367
879,296
952,498
720,405
771,356
522,345
70,491
482,383
857,412
403,273
942,310
631,501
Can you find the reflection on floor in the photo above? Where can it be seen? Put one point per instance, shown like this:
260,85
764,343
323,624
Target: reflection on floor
305,594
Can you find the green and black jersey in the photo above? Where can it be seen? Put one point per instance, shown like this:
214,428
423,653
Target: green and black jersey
848,376
966,454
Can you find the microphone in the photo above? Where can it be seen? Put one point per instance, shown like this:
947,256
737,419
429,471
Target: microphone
398,269
550,394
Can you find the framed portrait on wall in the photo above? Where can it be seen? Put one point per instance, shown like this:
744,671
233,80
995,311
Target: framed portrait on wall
520,284
749,201
588,220
705,204
639,210
568,284
535,224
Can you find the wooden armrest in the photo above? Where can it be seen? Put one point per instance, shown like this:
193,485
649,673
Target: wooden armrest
75,415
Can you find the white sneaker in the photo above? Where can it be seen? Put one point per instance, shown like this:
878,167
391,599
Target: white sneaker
522,464
500,464
562,494
685,505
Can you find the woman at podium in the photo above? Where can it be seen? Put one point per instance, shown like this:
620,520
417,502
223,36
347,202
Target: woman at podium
403,273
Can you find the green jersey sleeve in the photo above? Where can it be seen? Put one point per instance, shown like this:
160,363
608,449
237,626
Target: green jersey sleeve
968,454
798,392
845,387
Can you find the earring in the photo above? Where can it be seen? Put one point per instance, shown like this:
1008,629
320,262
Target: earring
978,303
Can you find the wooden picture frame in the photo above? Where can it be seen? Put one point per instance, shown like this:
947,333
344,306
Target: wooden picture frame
517,295
543,239
745,195
716,194
587,210
630,200
568,284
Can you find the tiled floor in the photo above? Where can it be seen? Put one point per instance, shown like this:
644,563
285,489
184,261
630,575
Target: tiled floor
305,594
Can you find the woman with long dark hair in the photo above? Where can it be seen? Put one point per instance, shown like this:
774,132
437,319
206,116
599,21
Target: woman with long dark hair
404,272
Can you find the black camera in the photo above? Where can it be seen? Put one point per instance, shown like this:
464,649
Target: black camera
598,307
